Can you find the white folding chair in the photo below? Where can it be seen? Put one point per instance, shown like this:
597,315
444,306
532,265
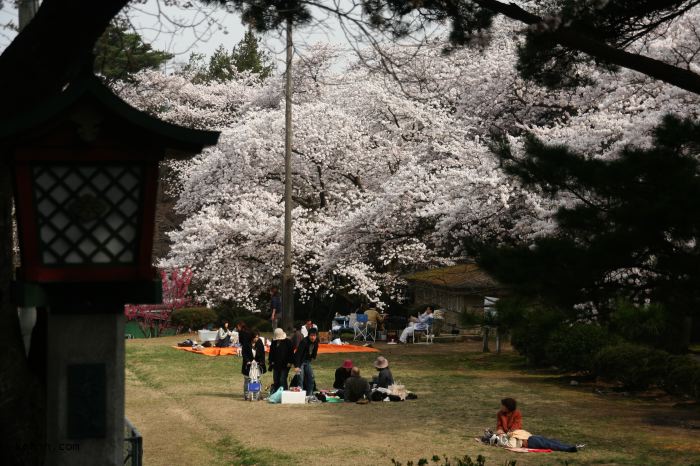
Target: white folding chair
361,327
371,329
427,331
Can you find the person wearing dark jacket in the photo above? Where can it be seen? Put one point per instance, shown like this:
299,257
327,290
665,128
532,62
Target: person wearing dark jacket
281,359
356,388
255,351
341,374
384,377
243,335
305,354
297,337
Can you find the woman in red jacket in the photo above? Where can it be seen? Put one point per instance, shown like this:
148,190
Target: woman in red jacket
509,418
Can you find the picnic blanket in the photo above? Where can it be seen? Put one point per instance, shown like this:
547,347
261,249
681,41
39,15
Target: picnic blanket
327,349
212,351
322,349
529,450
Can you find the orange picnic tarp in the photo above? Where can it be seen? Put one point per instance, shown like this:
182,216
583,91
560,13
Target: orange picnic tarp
213,351
322,349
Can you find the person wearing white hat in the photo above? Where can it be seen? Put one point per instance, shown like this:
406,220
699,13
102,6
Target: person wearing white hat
281,359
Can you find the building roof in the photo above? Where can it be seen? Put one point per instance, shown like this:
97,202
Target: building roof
179,141
457,277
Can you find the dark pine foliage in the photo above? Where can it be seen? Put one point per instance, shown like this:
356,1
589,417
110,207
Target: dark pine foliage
637,215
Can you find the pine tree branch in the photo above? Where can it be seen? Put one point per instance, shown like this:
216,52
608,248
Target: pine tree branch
573,39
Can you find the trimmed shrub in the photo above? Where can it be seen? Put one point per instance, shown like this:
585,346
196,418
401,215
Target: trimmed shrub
257,322
574,348
193,317
531,330
636,367
683,376
228,311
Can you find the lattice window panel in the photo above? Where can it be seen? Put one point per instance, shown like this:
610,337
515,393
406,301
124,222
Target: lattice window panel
108,233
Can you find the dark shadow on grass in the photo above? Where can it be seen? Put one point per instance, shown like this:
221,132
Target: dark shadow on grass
666,420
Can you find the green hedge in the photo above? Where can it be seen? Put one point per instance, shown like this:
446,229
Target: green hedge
683,376
574,348
636,367
232,314
193,317
531,333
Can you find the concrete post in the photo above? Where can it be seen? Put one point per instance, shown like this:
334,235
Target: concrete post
287,277
486,331
85,390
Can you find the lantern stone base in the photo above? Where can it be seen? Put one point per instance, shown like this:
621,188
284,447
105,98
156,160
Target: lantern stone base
85,389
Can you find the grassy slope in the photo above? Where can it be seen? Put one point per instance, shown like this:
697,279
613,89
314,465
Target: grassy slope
189,410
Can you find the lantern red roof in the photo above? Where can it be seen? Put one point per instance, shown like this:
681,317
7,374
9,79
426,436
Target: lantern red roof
106,118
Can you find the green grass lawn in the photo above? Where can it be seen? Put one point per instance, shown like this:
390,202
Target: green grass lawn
190,410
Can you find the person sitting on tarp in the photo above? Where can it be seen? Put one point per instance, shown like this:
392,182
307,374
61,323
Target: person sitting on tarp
341,375
224,336
356,388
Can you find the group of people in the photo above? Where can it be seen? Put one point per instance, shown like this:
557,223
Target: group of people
301,350
352,387
298,353
510,433
285,354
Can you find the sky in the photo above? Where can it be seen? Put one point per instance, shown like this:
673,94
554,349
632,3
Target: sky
202,29
199,28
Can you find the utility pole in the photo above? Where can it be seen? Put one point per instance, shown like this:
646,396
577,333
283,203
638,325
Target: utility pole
287,278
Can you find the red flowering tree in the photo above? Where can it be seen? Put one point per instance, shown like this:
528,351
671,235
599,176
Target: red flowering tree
154,318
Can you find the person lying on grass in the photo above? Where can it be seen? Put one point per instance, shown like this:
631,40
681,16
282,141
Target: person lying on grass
523,439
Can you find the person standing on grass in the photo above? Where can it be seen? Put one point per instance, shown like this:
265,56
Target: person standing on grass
243,334
306,353
275,307
281,359
255,351
508,417
297,336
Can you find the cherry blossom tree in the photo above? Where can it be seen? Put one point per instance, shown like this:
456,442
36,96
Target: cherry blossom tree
394,170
